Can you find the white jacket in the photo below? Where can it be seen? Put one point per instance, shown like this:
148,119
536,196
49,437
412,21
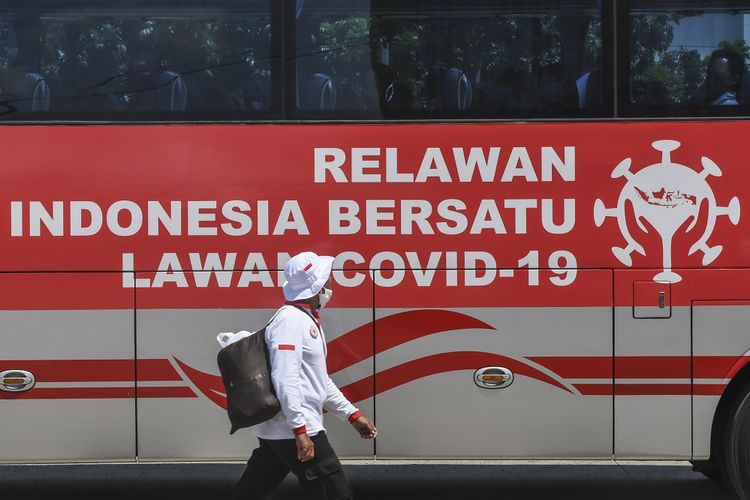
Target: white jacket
297,349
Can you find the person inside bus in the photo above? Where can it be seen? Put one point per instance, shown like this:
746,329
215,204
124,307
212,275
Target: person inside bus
723,78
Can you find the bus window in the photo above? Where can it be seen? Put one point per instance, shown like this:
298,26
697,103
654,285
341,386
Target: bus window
471,58
8,46
107,62
689,58
8,52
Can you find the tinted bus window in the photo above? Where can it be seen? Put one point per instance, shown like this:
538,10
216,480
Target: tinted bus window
8,46
471,58
689,57
93,60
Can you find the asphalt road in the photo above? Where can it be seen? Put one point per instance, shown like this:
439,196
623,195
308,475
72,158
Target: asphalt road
434,482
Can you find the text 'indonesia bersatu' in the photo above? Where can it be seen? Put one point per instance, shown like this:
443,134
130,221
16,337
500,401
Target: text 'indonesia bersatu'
450,216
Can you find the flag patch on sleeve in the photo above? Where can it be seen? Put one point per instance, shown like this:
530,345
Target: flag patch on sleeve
286,347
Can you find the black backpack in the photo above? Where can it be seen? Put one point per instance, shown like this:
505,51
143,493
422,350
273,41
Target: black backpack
246,372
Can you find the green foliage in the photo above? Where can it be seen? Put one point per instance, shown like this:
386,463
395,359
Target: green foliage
7,45
345,45
79,54
651,37
509,50
656,85
739,46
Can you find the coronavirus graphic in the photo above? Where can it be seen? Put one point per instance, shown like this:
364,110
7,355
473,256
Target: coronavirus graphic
667,194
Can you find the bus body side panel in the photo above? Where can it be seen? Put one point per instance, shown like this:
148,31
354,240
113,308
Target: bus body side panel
652,370
80,351
720,331
428,403
721,345
671,371
350,336
550,208
187,424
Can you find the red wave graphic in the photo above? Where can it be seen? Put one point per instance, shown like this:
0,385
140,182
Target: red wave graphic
210,385
643,367
101,393
213,388
575,366
97,370
440,363
397,329
651,389
393,331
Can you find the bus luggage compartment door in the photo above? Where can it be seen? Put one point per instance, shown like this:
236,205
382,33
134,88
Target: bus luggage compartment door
431,338
721,348
73,334
652,368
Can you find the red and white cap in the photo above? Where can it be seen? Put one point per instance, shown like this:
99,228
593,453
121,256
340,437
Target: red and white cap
306,273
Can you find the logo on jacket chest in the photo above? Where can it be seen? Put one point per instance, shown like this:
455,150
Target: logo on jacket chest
314,332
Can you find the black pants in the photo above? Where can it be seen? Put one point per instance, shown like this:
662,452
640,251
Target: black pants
322,478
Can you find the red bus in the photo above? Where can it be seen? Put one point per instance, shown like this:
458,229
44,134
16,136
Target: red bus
536,210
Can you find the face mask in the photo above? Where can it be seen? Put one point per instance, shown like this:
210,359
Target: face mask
325,295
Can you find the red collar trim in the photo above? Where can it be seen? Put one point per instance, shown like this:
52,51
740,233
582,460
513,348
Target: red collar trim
302,303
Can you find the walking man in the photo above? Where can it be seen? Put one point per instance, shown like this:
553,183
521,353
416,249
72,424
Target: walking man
295,439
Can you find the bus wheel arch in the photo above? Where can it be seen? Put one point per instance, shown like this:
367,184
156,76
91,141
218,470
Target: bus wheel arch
737,390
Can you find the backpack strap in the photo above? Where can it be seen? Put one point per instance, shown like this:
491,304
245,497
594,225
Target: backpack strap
274,316
317,323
